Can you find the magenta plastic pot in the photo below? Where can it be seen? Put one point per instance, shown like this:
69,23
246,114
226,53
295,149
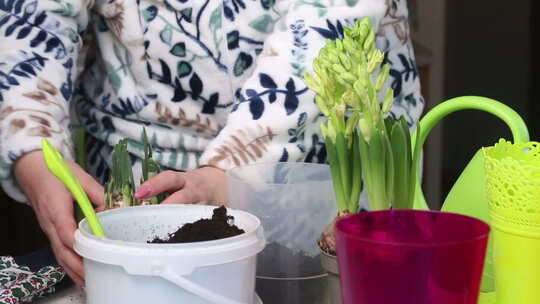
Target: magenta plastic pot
410,257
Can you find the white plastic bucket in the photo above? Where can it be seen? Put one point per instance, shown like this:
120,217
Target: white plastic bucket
123,268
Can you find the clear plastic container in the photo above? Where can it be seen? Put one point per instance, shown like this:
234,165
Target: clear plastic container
295,202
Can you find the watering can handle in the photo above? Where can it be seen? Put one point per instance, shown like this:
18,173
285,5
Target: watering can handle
517,126
196,289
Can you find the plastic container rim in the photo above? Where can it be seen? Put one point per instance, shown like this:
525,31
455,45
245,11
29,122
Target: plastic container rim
247,234
477,237
230,173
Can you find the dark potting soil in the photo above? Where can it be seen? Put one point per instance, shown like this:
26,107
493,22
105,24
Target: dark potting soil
281,262
220,226
285,276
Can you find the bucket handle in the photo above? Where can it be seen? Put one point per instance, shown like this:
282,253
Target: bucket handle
505,113
196,289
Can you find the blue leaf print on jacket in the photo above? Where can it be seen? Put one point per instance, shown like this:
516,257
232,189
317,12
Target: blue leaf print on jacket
25,68
179,92
150,13
332,32
318,151
256,105
127,106
409,70
291,101
232,7
24,26
256,102
267,81
298,132
299,32
284,156
67,87
196,86
242,63
209,106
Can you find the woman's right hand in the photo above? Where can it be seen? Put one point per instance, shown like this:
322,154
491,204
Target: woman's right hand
53,204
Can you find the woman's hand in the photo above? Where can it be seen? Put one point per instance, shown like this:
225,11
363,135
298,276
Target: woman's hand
53,204
206,185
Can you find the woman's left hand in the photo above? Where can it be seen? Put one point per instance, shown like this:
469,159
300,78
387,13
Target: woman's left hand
206,185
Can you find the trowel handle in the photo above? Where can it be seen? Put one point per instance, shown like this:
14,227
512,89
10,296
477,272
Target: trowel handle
516,124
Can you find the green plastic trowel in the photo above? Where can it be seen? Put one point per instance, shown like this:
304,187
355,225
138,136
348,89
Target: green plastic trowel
60,168
468,195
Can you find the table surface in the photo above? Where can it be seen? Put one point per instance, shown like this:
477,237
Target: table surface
75,295
72,295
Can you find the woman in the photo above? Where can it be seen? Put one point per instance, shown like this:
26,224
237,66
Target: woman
215,84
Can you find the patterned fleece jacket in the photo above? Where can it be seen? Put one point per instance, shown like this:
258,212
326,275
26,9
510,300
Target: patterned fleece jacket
213,82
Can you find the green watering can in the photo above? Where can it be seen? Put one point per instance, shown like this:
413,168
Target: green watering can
468,195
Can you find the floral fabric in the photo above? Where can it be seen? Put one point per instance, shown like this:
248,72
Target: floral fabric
19,285
214,82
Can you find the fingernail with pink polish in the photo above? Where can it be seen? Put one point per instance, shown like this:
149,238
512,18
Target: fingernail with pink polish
142,192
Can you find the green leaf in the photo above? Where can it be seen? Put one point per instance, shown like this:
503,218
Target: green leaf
186,13
342,151
398,139
114,78
322,12
66,10
263,24
147,156
389,170
373,157
149,13
72,34
268,4
233,39
352,2
121,180
183,69
166,35
356,168
28,286
336,175
215,18
37,279
179,49
18,293
57,275
415,159
78,140
242,63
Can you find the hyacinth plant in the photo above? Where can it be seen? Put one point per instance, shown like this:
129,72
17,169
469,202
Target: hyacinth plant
150,168
363,142
121,187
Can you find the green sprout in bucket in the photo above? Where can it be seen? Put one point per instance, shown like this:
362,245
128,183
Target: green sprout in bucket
150,168
121,187
361,143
